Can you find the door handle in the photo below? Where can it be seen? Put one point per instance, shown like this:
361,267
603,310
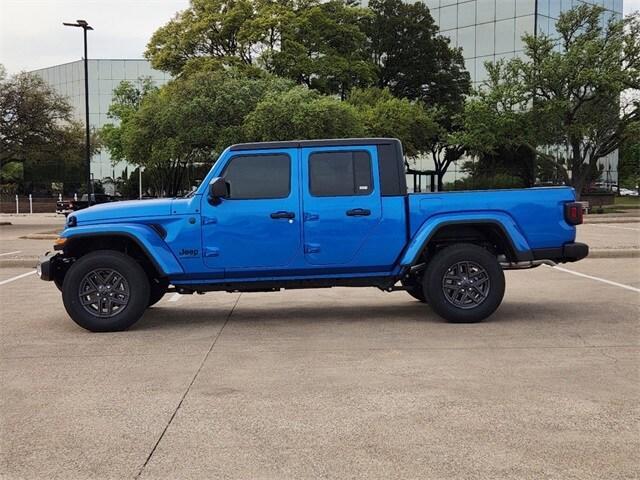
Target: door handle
283,214
359,212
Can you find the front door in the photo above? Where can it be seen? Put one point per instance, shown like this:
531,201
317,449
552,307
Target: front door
258,227
341,202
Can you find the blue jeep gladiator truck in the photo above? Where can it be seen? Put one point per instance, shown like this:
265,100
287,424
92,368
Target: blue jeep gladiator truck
309,214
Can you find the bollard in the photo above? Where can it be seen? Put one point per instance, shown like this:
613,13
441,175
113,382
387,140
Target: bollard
17,205
30,204
75,197
59,197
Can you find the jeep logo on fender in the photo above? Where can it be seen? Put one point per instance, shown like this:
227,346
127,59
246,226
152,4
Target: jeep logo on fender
188,252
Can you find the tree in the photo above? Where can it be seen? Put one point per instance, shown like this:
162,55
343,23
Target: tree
32,117
184,124
412,60
318,44
300,113
564,102
384,115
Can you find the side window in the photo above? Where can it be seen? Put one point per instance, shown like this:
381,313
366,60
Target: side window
259,176
333,174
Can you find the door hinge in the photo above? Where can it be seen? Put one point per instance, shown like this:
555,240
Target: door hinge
311,248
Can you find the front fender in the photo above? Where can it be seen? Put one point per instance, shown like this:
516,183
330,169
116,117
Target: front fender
146,238
499,219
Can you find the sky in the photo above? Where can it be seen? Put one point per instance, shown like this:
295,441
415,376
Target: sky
32,35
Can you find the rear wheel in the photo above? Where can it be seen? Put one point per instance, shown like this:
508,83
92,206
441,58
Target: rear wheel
465,283
105,291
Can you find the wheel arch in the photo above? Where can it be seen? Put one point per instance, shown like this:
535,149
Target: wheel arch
139,241
501,236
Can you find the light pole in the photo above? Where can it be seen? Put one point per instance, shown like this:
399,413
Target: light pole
87,148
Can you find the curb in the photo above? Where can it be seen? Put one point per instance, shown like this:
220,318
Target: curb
18,262
615,253
600,253
593,221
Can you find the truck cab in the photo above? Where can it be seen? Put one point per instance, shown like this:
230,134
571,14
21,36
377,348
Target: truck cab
309,214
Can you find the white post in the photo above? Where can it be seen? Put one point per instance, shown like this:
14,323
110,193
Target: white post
59,197
17,205
75,197
30,204
140,182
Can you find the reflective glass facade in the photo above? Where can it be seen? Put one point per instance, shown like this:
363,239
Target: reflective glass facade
489,30
104,77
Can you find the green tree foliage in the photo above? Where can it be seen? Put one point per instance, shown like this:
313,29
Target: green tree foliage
412,60
300,113
384,115
38,136
186,123
567,95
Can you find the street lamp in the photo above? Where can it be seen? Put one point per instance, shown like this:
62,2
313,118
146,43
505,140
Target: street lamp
87,153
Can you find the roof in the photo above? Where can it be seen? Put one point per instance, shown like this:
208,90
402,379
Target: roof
335,142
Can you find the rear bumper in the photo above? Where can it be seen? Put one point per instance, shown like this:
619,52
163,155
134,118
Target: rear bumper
47,265
569,252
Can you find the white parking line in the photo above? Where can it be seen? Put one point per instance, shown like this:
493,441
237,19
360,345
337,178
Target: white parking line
615,226
598,279
175,297
10,253
9,280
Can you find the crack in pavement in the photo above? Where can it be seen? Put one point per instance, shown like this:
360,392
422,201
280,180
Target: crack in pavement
184,395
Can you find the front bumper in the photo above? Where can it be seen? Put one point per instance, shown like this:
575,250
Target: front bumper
48,264
569,252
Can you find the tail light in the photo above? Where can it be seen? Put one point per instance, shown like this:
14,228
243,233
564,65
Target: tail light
573,213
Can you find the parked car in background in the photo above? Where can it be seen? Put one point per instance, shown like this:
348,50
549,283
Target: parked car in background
626,192
65,207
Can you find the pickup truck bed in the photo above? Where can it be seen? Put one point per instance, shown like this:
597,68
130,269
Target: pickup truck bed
309,214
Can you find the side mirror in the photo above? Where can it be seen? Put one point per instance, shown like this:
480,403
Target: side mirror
218,189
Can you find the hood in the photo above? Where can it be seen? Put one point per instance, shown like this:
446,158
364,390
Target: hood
160,207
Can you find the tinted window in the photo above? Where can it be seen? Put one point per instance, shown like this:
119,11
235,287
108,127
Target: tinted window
259,176
340,173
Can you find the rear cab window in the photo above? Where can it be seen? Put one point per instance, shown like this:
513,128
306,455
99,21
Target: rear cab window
340,173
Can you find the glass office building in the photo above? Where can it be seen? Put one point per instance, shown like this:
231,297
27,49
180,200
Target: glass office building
104,76
490,30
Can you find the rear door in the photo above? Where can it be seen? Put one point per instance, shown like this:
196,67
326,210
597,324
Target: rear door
341,202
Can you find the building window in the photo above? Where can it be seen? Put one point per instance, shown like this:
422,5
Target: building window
259,176
334,174
448,17
505,35
505,9
486,11
484,39
466,14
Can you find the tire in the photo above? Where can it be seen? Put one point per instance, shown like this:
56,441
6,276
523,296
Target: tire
414,289
157,288
105,291
465,283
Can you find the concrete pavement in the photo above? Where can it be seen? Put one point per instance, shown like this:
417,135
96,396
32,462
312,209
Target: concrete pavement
334,383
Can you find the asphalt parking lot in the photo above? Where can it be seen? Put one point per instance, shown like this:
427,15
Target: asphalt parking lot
332,383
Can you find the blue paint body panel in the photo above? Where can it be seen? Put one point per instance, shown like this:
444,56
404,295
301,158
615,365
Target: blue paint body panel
195,241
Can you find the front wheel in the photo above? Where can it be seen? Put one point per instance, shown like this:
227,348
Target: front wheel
105,291
465,283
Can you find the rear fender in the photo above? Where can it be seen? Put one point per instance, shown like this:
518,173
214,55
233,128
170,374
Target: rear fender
430,227
146,237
